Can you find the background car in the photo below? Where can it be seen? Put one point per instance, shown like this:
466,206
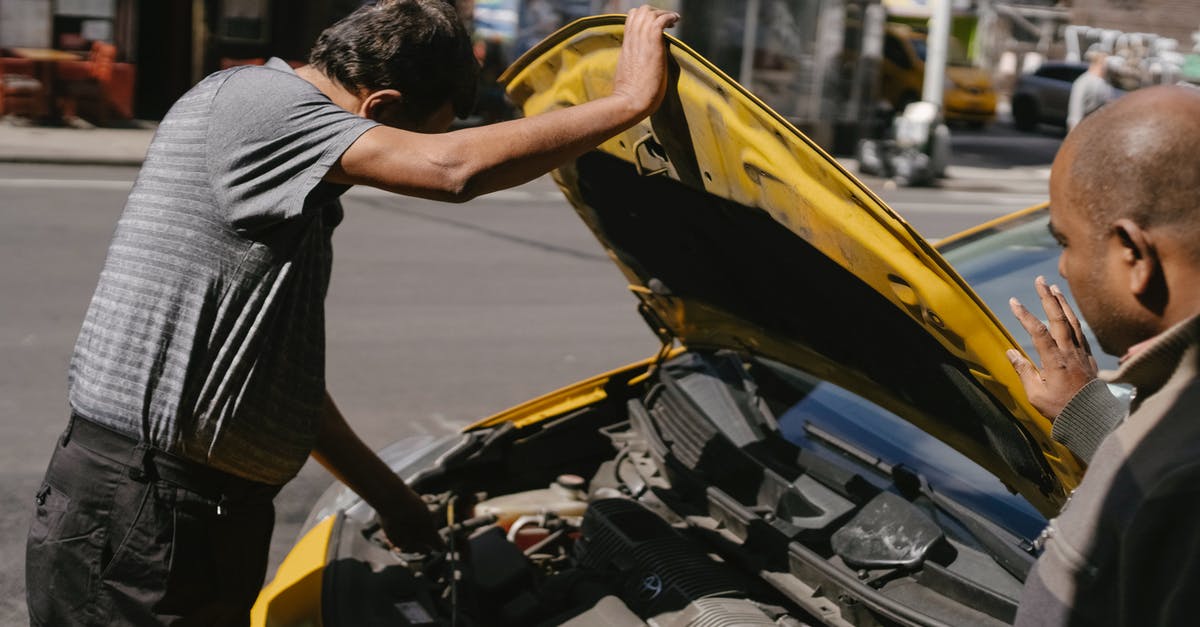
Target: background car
1042,96
829,432
968,95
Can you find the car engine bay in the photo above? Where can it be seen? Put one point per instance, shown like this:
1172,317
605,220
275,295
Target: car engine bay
652,508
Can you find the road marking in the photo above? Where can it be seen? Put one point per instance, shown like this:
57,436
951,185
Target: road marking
968,206
508,195
93,184
949,201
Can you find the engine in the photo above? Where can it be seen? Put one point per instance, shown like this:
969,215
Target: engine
678,503
555,556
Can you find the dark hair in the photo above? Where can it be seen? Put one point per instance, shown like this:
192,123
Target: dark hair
417,47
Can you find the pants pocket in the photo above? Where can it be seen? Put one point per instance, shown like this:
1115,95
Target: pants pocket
50,505
193,575
66,532
57,579
218,560
136,581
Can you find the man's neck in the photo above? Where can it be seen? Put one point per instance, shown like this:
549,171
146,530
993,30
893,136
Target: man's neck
1180,274
331,88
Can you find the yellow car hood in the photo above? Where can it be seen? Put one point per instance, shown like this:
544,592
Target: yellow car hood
736,231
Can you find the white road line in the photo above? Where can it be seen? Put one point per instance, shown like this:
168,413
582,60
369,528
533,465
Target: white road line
1034,190
949,202
509,195
965,207
93,184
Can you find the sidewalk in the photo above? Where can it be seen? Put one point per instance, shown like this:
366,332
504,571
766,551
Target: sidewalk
98,146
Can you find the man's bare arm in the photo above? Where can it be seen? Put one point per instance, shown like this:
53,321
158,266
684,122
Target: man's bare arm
460,165
402,513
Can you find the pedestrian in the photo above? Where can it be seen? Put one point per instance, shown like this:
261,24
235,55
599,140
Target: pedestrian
197,386
1091,90
1125,207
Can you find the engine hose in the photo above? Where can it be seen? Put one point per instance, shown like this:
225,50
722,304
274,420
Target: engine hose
455,566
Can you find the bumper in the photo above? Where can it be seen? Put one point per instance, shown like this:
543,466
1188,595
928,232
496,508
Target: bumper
294,596
970,107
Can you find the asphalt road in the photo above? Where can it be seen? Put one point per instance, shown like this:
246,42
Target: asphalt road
437,315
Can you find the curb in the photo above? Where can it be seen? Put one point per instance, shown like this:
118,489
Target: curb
66,146
72,160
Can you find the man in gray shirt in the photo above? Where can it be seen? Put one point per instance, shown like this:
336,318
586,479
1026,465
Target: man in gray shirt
197,387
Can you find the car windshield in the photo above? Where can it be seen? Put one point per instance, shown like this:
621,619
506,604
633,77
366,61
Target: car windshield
955,55
760,403
817,415
1003,262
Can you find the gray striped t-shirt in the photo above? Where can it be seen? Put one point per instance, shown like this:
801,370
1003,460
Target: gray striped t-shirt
206,333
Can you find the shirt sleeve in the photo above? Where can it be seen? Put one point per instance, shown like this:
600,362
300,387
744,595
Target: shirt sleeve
272,137
1087,418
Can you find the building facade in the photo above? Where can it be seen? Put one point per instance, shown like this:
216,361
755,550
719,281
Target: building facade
1177,19
172,43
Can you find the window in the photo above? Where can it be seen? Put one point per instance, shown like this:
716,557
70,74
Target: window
77,23
244,20
1060,72
894,51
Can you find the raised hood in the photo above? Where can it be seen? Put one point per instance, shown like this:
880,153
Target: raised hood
736,231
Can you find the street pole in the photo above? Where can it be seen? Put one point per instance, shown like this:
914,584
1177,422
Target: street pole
199,40
749,44
937,45
922,139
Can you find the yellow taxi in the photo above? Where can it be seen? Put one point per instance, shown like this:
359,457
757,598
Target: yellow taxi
968,96
828,432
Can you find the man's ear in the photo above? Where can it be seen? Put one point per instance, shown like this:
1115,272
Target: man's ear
1138,254
377,103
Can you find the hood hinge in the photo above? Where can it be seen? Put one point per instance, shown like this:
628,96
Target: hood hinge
661,331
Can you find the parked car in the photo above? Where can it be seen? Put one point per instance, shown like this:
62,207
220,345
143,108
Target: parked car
1042,96
829,433
968,95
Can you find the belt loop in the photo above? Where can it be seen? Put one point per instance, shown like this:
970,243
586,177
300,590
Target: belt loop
140,467
66,434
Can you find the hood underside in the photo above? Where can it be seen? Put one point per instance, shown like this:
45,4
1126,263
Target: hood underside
736,231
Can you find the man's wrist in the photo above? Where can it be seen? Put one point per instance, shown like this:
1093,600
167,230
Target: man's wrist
630,109
1087,419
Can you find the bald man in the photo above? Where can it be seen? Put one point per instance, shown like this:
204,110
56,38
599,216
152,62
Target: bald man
1125,207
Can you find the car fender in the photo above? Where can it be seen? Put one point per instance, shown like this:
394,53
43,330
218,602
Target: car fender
405,457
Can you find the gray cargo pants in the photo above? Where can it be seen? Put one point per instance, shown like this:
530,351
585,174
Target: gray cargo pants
127,535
